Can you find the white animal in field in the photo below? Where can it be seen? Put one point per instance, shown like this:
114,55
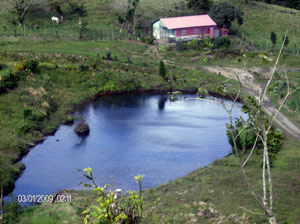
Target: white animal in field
55,19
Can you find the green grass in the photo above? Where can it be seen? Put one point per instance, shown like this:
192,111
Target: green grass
260,19
101,20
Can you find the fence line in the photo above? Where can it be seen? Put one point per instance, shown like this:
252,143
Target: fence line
110,34
71,32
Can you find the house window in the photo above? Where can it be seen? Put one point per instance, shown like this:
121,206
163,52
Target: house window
183,32
196,31
172,32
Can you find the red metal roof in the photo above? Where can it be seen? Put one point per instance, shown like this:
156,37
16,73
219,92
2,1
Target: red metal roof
187,21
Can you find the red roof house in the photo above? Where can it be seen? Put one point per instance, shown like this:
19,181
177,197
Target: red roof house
187,28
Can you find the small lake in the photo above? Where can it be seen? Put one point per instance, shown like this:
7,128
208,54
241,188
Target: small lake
130,135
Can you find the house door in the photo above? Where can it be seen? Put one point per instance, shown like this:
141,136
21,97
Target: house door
217,33
202,33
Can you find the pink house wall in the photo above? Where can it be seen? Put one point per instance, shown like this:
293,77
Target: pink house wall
225,32
190,31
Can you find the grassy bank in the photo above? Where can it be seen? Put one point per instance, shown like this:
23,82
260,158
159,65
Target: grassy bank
213,194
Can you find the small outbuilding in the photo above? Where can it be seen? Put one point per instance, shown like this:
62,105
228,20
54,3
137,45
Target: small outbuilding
186,28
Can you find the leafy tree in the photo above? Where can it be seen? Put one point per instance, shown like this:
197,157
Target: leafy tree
273,38
78,8
14,23
162,69
224,14
121,21
57,6
286,41
200,6
19,8
130,12
128,7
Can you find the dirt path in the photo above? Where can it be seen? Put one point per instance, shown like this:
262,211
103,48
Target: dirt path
254,88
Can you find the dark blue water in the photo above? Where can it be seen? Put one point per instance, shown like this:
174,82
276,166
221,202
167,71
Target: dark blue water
130,135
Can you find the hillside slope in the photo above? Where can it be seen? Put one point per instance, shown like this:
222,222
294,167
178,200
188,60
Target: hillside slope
260,19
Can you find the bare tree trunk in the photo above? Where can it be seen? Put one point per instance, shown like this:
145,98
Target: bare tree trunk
121,29
15,31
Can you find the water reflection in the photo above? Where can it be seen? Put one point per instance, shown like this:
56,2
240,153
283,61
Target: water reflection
162,101
82,141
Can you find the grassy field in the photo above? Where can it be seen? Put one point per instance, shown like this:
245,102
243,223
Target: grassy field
260,19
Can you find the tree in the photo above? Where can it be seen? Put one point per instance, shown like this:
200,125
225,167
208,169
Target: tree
14,23
286,41
78,8
224,14
261,126
200,6
273,38
57,6
130,12
121,22
20,8
129,8
162,69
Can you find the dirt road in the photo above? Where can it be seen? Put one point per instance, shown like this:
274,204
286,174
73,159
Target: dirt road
255,88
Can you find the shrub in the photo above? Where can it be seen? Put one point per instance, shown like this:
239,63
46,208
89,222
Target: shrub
8,80
27,113
149,40
2,66
34,116
83,67
162,69
11,211
220,42
193,44
114,208
32,65
273,38
180,45
205,60
207,43
162,49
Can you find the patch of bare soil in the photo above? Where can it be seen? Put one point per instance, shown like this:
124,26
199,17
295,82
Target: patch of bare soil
154,52
255,89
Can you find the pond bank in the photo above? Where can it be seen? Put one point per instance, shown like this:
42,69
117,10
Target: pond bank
49,126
